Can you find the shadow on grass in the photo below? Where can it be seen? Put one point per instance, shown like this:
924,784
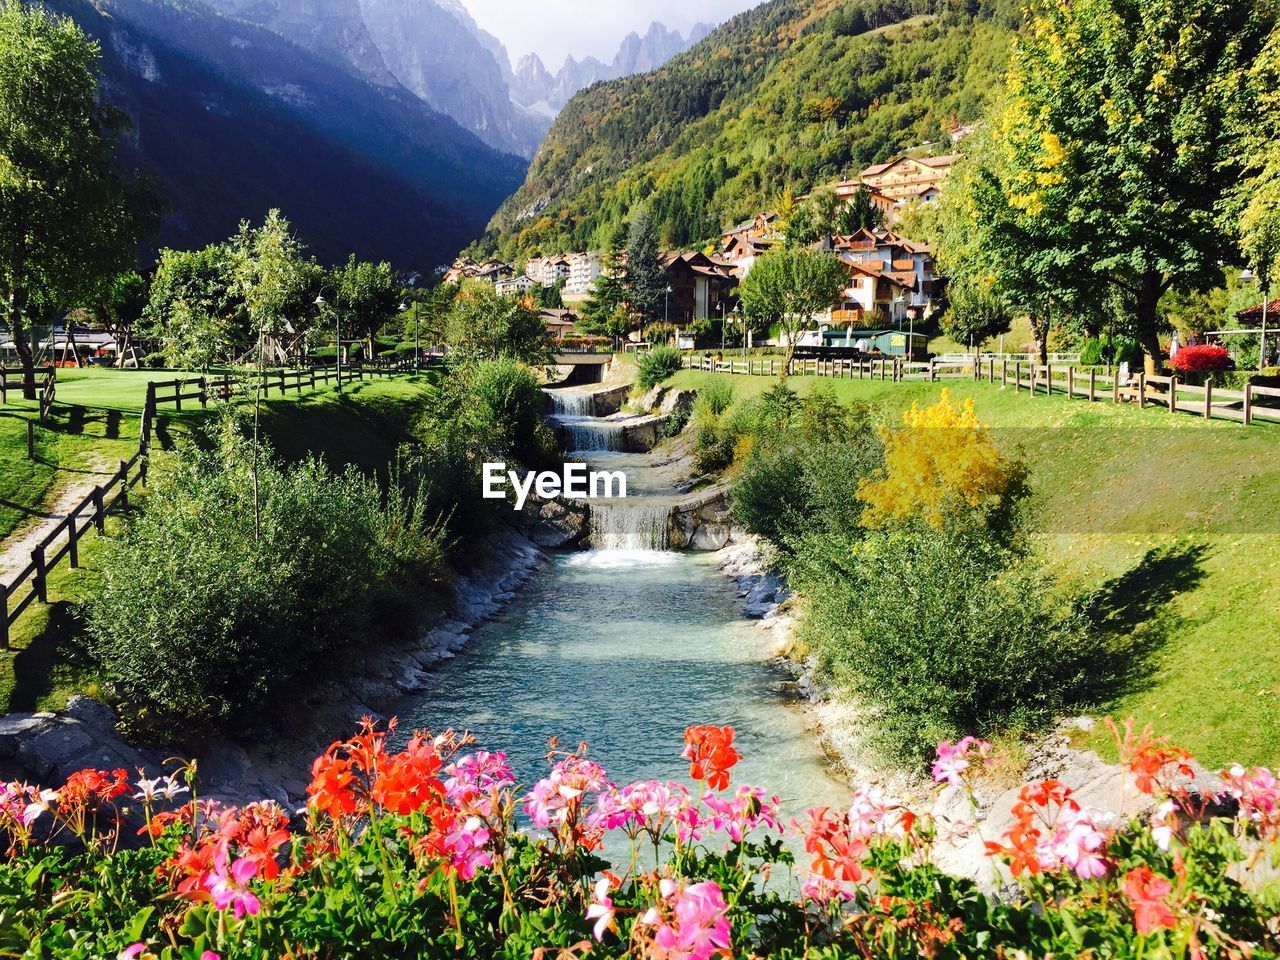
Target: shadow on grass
1136,611
57,647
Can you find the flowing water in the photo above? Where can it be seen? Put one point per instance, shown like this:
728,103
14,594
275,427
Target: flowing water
623,647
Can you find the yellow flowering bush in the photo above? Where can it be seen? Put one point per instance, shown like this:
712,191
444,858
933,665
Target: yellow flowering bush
942,460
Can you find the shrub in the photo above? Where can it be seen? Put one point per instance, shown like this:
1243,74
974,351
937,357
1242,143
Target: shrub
946,632
656,366
715,397
502,404
1202,358
211,606
1091,353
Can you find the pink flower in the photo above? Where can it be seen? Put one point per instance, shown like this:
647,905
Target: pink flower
954,760
697,927
230,888
873,814
746,810
209,955
132,951
570,783
602,910
1077,843
1258,794
466,847
1163,822
475,780
824,890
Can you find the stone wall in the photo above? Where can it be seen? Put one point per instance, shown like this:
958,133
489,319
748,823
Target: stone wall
704,521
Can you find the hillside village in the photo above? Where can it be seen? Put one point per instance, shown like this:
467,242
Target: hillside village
893,280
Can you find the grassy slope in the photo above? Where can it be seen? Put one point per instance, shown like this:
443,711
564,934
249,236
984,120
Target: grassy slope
1189,506
362,428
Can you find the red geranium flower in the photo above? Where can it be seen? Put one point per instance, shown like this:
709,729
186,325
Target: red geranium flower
711,754
1146,892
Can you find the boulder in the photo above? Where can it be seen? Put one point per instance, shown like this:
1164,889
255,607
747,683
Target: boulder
674,400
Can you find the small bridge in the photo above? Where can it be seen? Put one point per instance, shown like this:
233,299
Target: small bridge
581,368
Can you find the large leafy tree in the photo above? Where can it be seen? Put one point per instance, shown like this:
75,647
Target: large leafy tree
605,310
65,215
792,286
118,303
646,279
195,297
1257,200
368,296
1118,145
485,326
275,280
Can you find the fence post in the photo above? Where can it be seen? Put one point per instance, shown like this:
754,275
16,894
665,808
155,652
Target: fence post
1248,404
1004,371
1208,398
31,439
4,617
124,486
1071,383
204,393
40,582
1173,394
99,511
1017,376
933,373
73,536
1048,379
1093,384
1142,390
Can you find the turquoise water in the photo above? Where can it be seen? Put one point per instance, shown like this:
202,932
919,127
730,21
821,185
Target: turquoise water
623,649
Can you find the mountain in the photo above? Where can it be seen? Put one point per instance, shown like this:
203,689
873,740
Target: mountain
232,120
776,101
537,89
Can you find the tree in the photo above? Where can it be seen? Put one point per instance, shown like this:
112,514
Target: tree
815,219
118,303
859,213
273,278
65,217
1257,199
791,286
485,326
605,310
368,296
989,239
203,282
1117,130
646,279
975,314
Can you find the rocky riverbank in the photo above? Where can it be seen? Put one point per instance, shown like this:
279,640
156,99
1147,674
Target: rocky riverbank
47,747
841,725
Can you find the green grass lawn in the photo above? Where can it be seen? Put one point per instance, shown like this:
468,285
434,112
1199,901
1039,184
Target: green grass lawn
1179,516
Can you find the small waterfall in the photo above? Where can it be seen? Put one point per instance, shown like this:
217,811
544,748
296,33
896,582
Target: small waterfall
588,435
629,526
571,403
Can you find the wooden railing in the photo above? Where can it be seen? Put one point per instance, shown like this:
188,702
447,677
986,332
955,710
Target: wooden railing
63,542
1207,401
46,385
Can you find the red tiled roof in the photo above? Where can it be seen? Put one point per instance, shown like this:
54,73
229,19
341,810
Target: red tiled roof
1255,312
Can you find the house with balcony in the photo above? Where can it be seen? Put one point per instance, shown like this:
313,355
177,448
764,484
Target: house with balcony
904,178
584,270
515,286
701,288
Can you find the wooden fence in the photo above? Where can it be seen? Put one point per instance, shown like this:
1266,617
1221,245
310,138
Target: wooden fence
63,541
1038,380
46,386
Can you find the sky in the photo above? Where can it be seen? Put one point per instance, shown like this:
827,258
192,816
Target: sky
556,28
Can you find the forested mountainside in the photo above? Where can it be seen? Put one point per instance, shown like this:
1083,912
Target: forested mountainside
784,97
232,120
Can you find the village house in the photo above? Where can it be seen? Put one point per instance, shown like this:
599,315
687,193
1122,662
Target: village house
548,271
559,323
584,271
741,254
514,286
891,278
701,288
765,227
904,179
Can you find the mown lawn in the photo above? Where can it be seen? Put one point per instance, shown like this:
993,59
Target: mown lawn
362,427
1177,518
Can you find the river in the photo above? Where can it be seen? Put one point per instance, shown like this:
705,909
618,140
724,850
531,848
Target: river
622,648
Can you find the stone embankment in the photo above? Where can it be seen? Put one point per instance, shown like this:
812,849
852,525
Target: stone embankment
45,747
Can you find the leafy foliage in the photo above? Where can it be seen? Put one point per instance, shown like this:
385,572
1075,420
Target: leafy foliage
204,617
656,365
482,325
791,286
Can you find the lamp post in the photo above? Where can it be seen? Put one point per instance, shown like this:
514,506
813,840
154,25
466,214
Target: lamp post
321,302
417,348
1246,275
667,315
722,323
